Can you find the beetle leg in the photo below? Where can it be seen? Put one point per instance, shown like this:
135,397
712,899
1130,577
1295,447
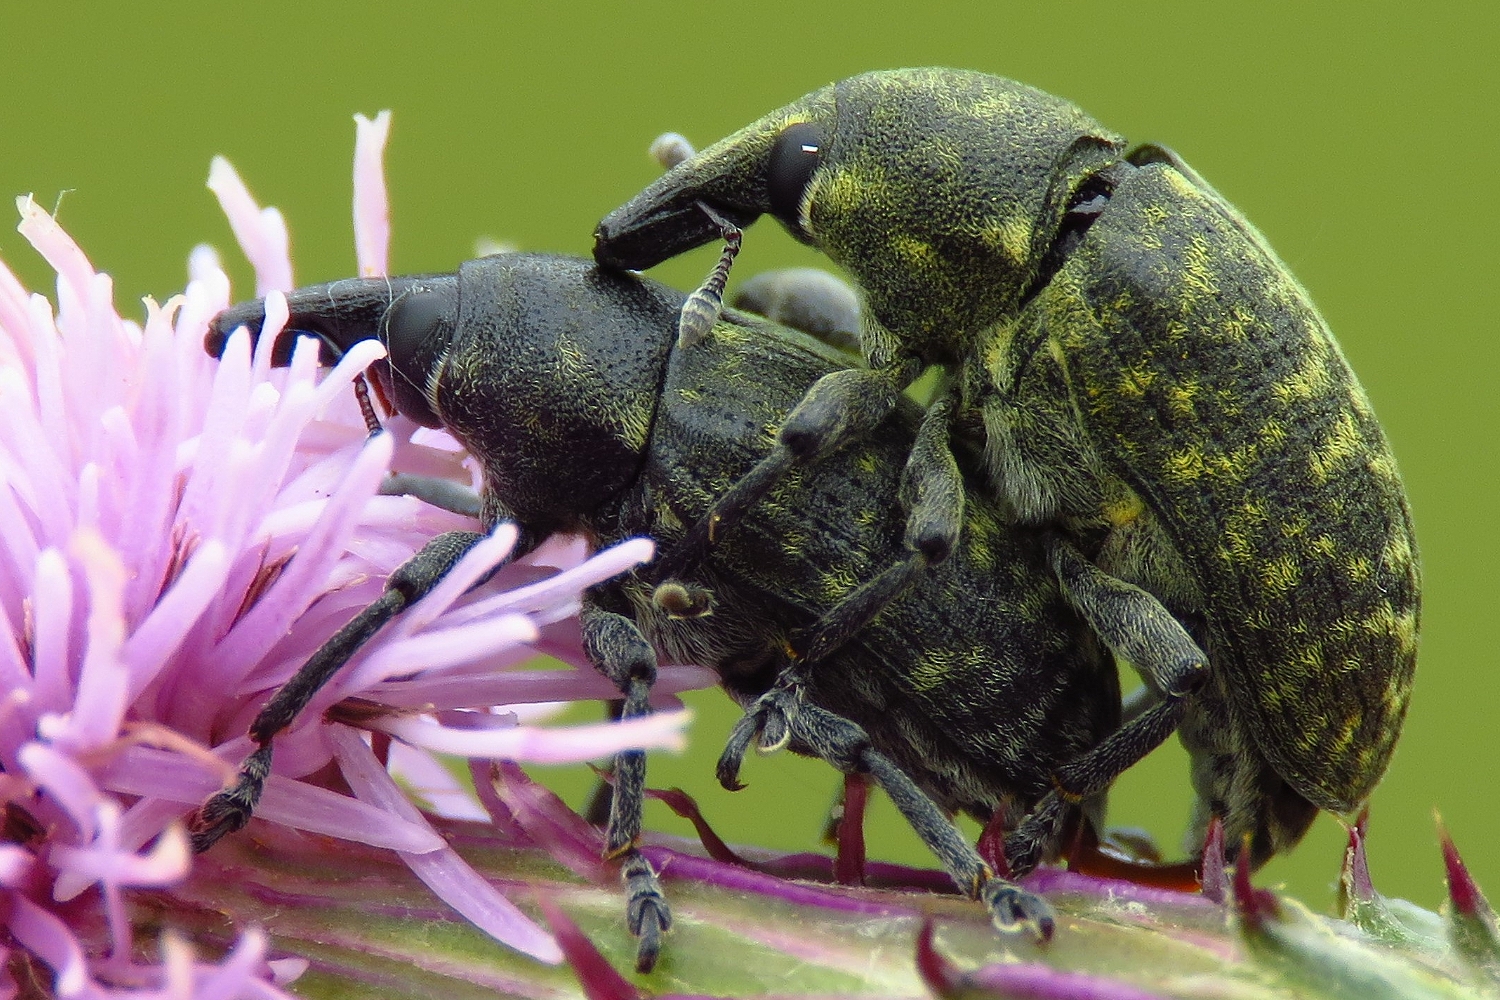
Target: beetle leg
841,407
1130,621
229,810
1139,629
617,649
1088,775
845,745
932,490
444,494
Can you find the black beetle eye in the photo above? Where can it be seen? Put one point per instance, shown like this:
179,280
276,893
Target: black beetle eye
416,331
797,153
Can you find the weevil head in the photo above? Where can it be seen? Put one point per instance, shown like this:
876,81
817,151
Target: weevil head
547,369
940,191
551,380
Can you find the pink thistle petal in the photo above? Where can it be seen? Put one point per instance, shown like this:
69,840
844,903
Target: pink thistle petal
47,937
443,871
52,606
598,978
442,648
548,822
559,745
300,585
145,771
265,344
1215,883
372,220
99,704
15,862
529,687
261,234
56,247
478,561
239,974
560,591
438,789
166,864
151,647
65,781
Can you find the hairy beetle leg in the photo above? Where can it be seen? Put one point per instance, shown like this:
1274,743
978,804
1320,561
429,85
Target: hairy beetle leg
1139,629
841,407
932,490
229,810
621,653
846,746
1088,775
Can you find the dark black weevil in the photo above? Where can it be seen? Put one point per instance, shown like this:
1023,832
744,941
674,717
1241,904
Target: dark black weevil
1151,379
968,692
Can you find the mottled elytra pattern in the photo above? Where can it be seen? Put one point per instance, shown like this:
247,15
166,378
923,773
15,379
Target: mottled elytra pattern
1211,386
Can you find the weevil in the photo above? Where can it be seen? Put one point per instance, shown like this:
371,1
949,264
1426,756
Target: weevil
967,692
1151,381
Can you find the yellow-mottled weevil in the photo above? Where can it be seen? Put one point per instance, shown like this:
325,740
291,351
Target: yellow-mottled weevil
1151,383
972,689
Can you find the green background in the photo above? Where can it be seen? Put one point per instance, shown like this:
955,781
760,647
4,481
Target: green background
1361,139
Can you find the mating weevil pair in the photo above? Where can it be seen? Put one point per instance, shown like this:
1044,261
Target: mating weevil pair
1153,384
968,692
1160,404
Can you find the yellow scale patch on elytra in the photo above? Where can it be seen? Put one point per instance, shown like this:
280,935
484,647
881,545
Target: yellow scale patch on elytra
1123,510
1199,265
1310,381
1272,434
1281,574
689,395
1342,444
1325,546
1185,467
1180,395
1241,528
1135,381
836,584
1154,214
1358,568
933,668
1396,552
1383,465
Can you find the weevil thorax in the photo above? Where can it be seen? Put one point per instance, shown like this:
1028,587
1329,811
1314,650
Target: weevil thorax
550,383
945,186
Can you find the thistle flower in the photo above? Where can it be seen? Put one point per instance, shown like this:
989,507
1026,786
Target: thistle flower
177,535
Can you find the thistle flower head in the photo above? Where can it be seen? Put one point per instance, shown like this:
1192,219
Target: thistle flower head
177,535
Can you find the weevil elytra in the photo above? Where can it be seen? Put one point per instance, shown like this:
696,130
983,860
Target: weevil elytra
969,691
1151,381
